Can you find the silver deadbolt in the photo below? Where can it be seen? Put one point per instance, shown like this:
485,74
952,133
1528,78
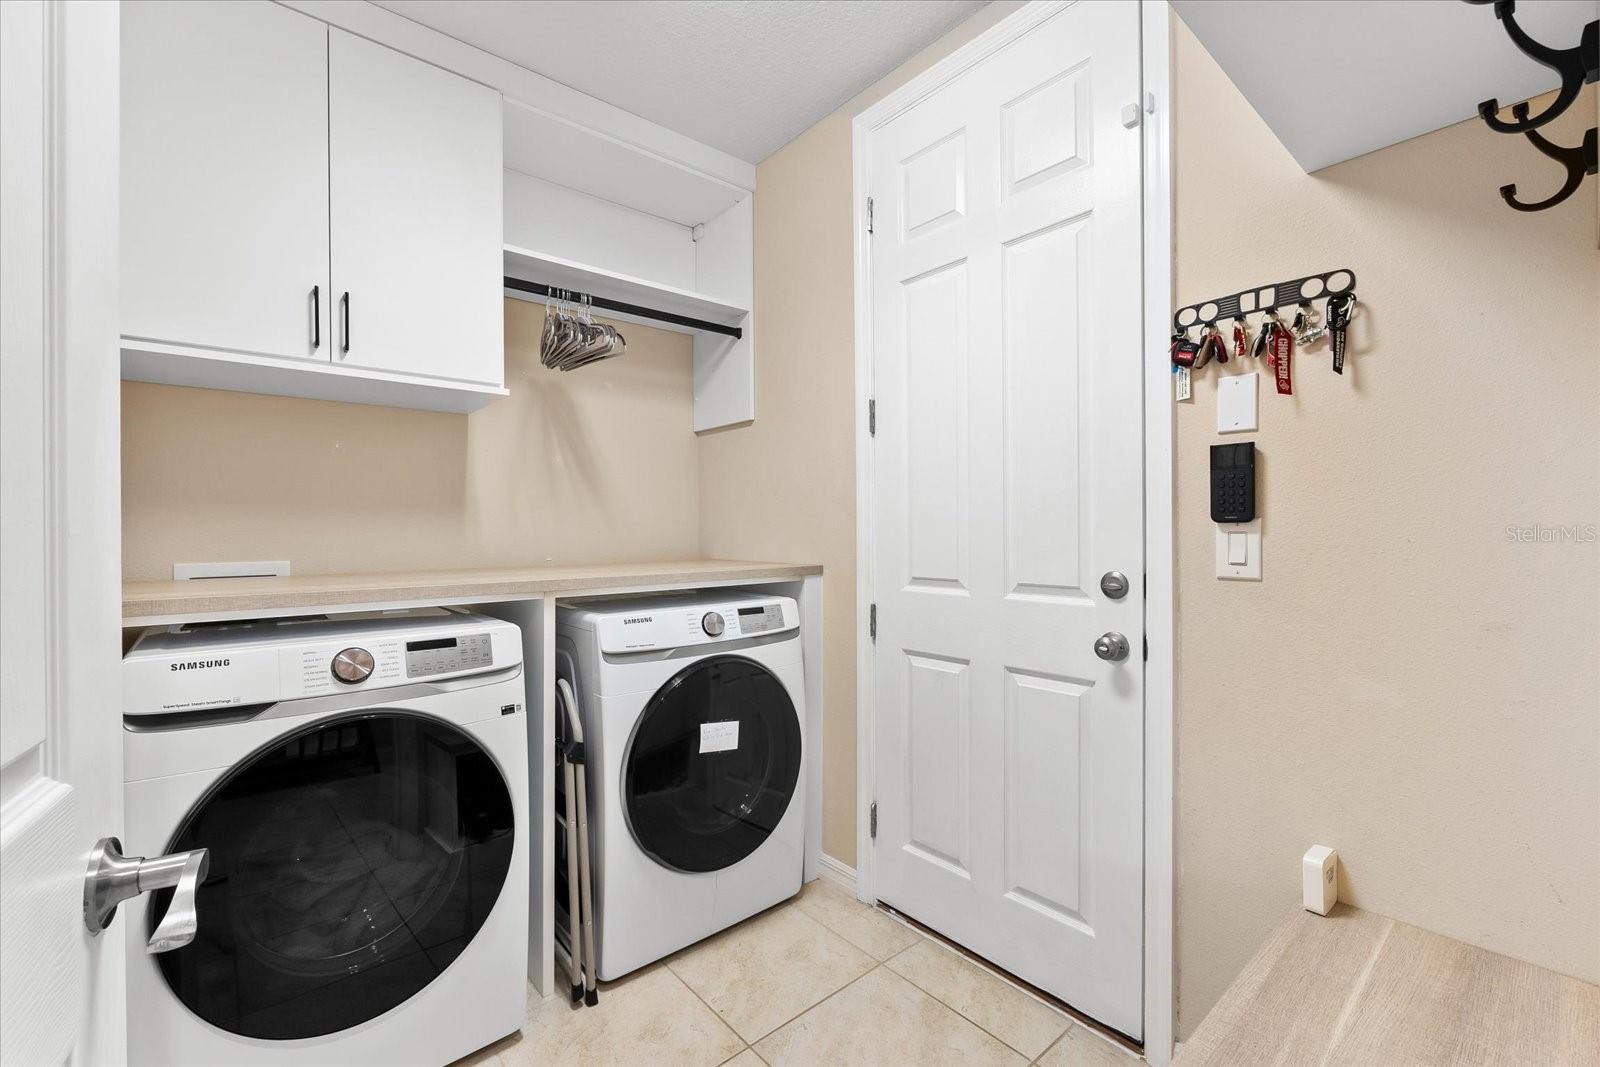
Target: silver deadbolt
113,878
1114,584
1112,647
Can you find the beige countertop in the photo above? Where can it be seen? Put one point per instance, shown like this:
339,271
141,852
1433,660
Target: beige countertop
1354,988
221,598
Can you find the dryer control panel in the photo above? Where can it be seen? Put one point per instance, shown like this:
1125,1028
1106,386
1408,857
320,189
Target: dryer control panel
666,623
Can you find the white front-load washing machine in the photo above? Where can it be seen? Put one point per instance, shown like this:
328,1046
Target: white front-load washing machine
693,709
360,783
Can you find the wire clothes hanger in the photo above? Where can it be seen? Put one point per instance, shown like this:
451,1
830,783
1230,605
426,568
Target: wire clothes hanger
571,338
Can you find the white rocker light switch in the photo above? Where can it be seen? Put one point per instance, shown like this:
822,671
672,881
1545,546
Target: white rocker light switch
1239,550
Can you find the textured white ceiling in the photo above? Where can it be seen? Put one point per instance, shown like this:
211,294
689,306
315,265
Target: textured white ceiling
745,76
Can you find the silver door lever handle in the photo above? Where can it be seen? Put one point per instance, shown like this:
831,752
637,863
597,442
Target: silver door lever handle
113,878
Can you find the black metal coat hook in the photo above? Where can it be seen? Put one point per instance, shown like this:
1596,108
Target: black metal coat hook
1575,65
1579,161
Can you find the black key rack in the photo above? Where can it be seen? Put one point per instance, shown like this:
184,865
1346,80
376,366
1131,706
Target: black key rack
1263,298
1576,66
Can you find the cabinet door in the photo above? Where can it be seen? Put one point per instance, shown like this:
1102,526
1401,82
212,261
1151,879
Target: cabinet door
225,177
415,194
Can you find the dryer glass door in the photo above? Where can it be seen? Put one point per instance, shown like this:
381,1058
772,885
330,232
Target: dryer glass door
351,862
712,765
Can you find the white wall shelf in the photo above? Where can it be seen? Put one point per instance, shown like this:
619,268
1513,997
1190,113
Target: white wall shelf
564,153
532,266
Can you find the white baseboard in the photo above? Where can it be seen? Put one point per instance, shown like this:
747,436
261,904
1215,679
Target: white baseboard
838,872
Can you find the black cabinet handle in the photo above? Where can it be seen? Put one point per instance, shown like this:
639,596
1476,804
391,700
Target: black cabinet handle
344,306
316,317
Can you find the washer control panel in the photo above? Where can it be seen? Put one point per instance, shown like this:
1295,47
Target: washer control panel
676,624
447,655
180,669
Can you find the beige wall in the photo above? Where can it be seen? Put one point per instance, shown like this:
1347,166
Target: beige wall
783,487
595,465
1407,684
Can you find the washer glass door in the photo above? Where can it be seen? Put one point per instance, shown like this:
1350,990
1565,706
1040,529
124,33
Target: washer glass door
712,765
351,862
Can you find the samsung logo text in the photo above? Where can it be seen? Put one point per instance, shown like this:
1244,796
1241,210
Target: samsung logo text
199,664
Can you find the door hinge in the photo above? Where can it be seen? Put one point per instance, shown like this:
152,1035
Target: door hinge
872,821
872,622
872,416
869,214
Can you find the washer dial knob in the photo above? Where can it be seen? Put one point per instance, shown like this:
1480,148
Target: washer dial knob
713,624
353,665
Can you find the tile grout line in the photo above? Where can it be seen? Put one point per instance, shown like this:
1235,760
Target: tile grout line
1070,1023
870,911
1060,1008
667,966
876,964
924,938
1062,1036
993,970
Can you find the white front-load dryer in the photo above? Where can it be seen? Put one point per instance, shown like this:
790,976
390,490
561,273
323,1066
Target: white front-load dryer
694,727
361,786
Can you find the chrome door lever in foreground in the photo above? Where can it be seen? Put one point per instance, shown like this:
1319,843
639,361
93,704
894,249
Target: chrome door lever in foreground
113,878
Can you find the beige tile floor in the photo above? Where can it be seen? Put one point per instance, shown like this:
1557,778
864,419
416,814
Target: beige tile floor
821,979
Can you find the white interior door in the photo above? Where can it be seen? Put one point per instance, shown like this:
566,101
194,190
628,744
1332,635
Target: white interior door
60,714
416,210
225,177
1007,479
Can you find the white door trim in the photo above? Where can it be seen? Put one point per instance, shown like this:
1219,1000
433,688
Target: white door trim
1160,994
1155,60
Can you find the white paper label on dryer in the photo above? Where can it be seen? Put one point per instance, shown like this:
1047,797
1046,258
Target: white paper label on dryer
719,736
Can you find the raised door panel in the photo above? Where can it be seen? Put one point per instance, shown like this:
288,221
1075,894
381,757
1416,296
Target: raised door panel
225,177
935,413
415,189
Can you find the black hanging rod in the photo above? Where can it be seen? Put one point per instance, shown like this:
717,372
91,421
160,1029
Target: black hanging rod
1266,297
605,304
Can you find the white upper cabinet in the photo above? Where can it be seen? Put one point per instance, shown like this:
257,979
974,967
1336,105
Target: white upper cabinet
416,215
225,177
305,212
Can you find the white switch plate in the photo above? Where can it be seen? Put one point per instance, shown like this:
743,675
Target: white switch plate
1231,538
1236,403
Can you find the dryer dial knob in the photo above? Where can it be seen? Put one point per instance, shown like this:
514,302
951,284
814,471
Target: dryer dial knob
353,665
713,624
